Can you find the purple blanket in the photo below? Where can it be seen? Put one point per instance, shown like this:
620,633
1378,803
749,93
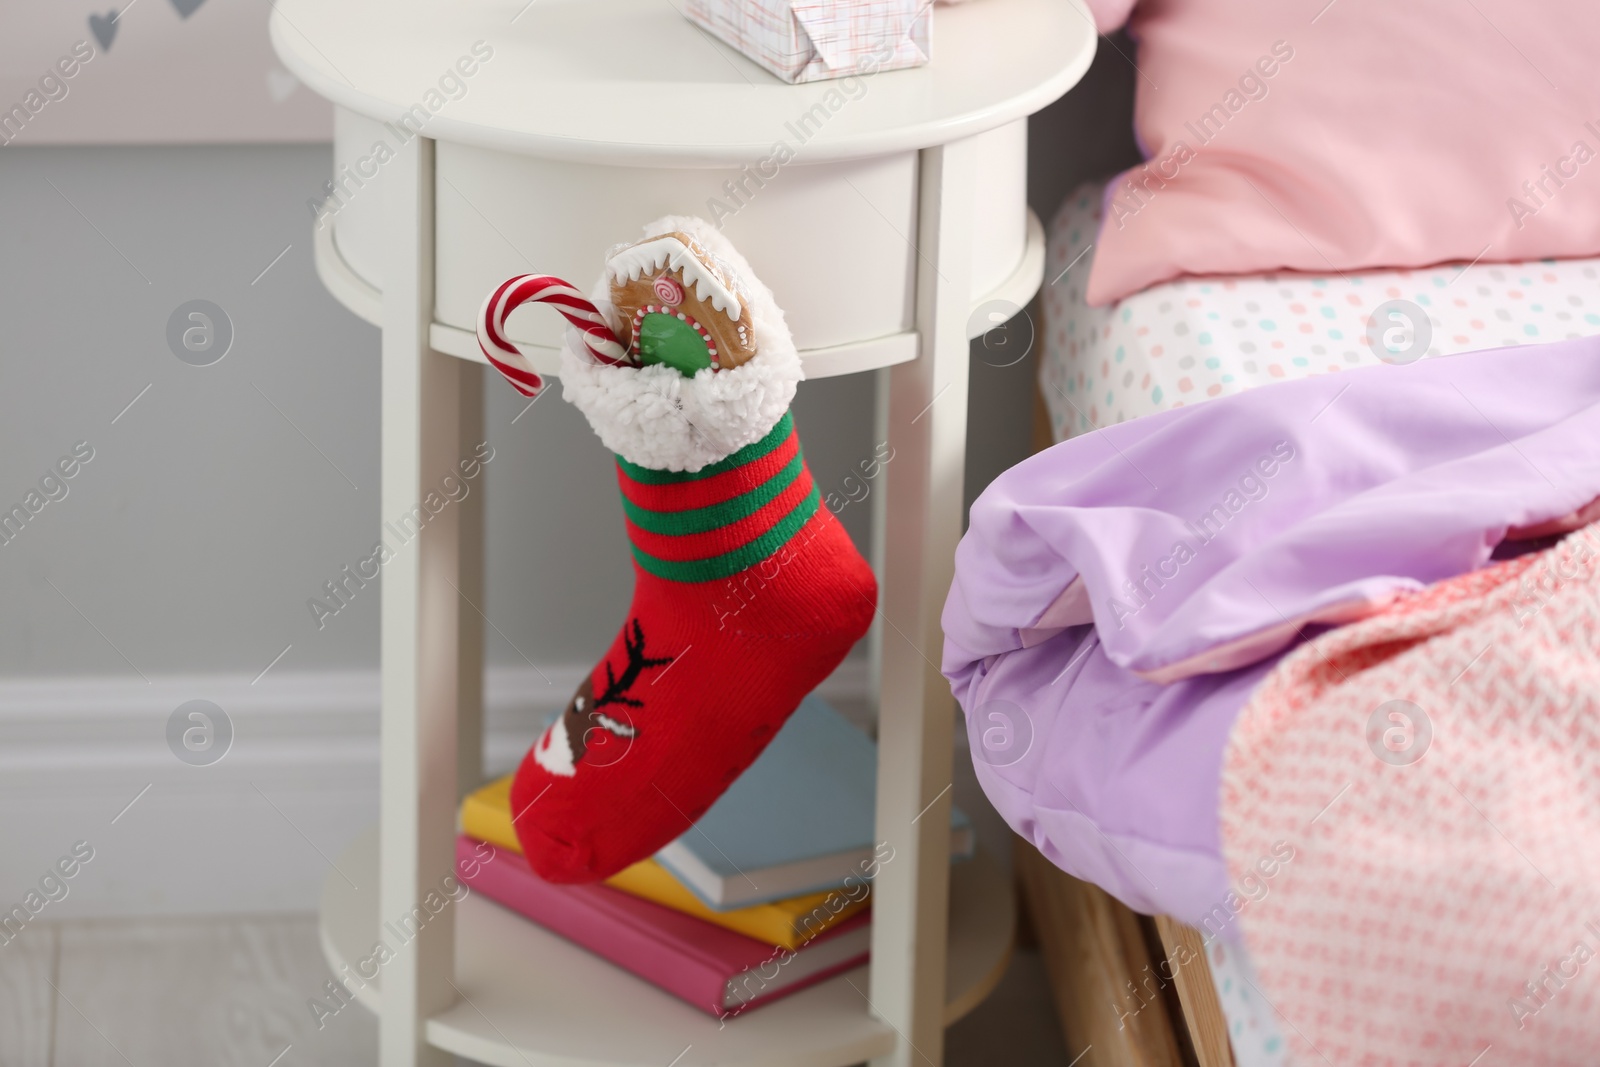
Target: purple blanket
1118,596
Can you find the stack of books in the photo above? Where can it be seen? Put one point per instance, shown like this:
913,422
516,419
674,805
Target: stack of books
768,893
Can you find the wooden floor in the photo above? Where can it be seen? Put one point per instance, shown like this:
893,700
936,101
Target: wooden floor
233,992
226,992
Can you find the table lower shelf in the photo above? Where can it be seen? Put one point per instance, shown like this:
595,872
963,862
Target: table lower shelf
532,999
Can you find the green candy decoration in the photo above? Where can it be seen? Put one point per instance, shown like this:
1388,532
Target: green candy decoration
668,339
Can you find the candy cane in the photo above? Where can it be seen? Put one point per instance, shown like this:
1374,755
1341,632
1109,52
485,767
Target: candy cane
542,288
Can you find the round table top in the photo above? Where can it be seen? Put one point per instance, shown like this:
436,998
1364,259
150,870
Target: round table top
633,82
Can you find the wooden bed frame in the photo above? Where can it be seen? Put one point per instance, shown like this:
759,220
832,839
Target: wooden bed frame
1100,955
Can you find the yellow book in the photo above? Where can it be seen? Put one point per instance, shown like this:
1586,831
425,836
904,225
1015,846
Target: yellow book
486,815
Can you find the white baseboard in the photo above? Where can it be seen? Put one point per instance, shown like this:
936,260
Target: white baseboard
253,832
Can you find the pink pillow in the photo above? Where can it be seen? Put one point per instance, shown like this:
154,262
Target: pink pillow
1363,133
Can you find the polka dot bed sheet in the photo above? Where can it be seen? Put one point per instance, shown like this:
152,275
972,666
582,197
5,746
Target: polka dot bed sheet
1253,1031
1197,338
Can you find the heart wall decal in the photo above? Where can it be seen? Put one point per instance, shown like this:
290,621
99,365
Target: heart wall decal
185,8
104,28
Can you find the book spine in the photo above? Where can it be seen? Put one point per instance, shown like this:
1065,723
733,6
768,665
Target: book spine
582,919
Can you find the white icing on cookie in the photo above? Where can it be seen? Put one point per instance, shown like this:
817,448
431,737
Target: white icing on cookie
631,263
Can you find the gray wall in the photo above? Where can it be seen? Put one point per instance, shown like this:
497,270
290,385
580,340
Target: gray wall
205,519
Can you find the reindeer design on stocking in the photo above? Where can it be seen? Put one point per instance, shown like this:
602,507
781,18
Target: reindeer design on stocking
570,737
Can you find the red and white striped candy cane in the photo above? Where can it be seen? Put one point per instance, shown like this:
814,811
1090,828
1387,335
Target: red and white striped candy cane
513,293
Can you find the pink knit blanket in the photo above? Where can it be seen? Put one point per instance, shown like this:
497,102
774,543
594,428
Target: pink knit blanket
1433,775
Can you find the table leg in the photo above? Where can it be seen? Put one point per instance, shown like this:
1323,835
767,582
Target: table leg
878,503
927,428
469,624
419,642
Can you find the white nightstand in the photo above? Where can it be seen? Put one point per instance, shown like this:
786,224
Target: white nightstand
901,212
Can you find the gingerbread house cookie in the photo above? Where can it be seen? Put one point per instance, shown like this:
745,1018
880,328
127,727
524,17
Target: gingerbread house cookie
680,305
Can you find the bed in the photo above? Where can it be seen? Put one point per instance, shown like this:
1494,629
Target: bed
1419,599
1118,981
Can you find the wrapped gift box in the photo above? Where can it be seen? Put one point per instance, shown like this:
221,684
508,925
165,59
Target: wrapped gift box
809,40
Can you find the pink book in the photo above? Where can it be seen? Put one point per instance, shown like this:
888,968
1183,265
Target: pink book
716,970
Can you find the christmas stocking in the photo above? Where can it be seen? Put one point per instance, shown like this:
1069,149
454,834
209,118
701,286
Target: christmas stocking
747,592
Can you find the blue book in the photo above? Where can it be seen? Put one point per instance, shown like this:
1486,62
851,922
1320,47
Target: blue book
799,820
